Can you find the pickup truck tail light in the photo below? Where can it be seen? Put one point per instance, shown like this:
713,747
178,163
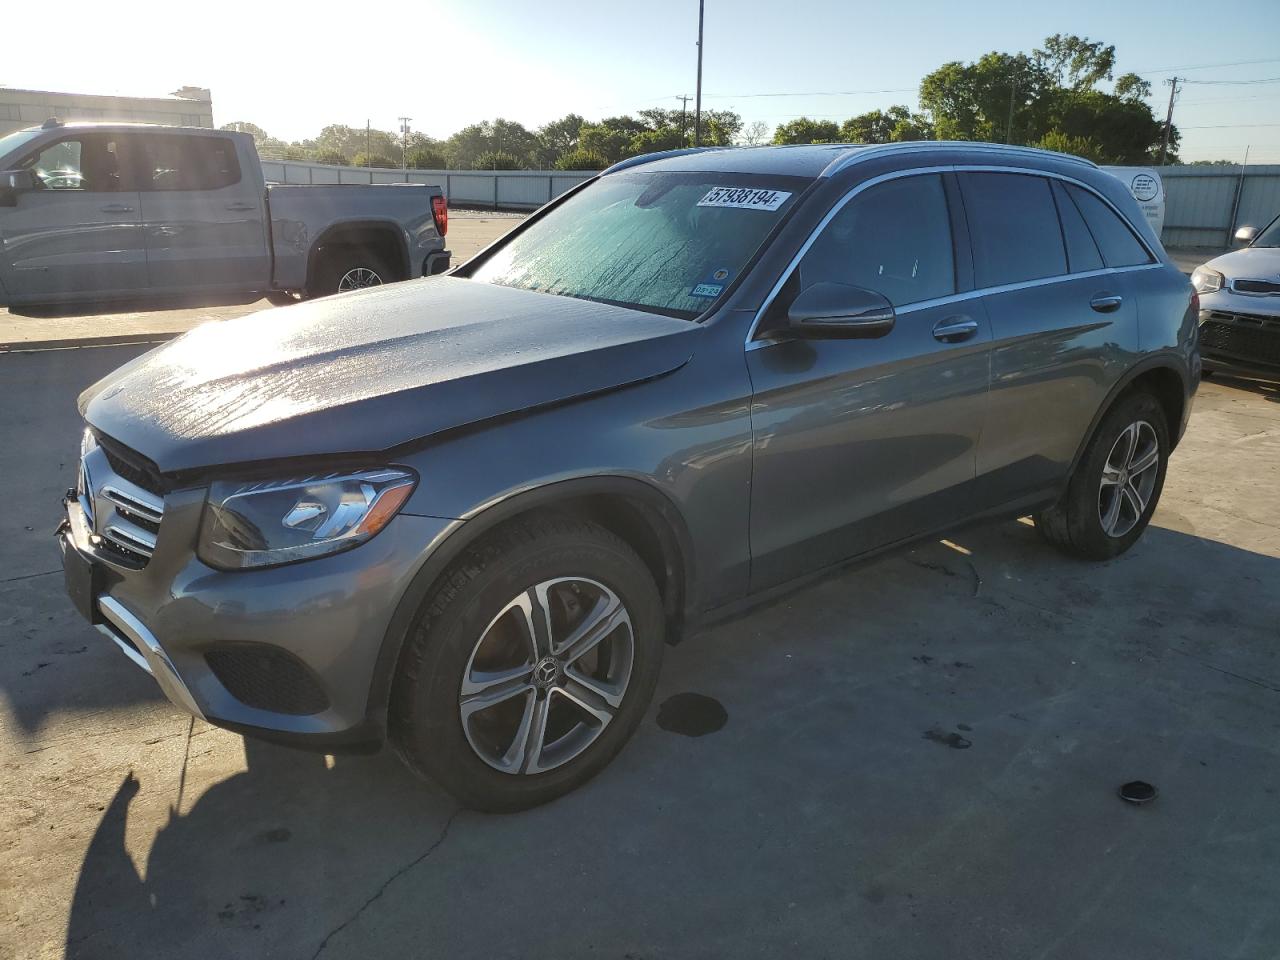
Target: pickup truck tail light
440,212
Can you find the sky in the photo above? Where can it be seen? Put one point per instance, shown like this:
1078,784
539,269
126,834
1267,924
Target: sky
294,68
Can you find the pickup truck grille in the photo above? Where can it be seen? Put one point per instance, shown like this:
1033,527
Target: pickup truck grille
1244,337
122,502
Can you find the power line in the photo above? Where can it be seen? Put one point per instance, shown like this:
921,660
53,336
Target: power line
1228,126
1209,66
811,93
1233,82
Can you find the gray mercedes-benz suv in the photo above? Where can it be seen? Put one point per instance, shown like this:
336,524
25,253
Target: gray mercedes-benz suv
465,513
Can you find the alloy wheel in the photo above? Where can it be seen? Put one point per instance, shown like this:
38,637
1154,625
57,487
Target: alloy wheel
357,278
1128,478
547,675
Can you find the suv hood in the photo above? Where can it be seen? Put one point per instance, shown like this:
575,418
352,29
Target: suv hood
367,371
1251,263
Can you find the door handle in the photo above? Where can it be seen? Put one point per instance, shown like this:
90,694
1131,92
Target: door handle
242,206
117,208
955,329
1106,302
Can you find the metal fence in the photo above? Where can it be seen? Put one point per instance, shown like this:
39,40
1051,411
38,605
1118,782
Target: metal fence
518,189
1205,205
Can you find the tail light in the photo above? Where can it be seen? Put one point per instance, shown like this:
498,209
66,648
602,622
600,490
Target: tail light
440,213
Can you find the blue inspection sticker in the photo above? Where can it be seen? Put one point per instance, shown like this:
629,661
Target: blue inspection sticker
707,290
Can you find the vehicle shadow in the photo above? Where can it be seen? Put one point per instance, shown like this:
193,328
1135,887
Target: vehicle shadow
908,745
1269,390
104,308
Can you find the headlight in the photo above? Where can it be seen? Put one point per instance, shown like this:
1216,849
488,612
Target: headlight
1207,281
87,442
264,524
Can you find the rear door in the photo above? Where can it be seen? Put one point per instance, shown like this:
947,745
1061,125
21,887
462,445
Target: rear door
204,217
80,235
1062,323
860,443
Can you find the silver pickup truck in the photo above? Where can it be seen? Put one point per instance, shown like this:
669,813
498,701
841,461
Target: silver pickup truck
95,212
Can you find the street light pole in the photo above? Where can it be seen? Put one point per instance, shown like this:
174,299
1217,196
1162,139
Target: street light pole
697,104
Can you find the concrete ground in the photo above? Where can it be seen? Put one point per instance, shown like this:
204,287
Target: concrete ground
920,760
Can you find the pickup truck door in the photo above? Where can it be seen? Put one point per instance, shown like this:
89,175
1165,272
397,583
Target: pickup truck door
203,214
80,235
861,443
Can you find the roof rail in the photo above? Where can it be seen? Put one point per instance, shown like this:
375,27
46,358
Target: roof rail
926,146
659,155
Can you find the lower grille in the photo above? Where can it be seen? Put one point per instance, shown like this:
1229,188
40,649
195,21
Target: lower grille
267,678
1243,337
1255,286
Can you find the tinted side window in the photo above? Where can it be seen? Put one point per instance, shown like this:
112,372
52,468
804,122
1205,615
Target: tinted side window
1120,248
894,238
86,163
1014,228
187,163
1082,252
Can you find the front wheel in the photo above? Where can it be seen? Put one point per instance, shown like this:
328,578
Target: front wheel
531,665
1116,485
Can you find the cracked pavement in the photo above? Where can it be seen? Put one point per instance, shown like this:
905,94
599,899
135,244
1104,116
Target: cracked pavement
920,759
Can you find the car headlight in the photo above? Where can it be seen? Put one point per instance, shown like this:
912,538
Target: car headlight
1207,281
248,525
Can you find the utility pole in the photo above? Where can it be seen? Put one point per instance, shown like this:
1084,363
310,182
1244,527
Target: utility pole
684,110
1168,120
368,139
1008,128
697,104
404,144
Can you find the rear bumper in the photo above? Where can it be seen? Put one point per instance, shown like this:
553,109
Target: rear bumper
437,262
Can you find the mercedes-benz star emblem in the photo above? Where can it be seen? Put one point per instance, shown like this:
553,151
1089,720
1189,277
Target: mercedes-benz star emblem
546,671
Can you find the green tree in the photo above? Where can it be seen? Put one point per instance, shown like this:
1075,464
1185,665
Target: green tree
496,160
465,148
608,142
1064,143
886,126
1025,99
580,159
375,160
243,126
427,158
557,138
804,130
336,157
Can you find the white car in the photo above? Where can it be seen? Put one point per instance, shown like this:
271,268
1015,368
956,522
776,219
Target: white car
1240,305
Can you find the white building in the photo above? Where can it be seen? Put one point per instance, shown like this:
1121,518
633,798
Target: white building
188,107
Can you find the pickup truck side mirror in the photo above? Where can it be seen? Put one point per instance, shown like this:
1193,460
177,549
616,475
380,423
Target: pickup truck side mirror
838,311
13,182
1246,234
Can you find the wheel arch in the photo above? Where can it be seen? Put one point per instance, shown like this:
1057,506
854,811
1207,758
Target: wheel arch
637,511
384,235
1166,379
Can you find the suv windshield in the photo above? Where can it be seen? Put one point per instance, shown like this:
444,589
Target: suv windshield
668,243
1270,237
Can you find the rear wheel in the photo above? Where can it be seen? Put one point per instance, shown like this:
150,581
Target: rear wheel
344,269
1116,485
531,665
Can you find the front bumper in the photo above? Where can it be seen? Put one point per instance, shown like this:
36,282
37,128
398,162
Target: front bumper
1240,333
325,620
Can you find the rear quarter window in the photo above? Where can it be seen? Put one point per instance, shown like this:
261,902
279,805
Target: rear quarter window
1013,225
1119,246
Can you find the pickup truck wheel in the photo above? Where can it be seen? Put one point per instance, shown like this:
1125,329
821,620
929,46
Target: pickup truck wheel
1116,485
530,666
344,269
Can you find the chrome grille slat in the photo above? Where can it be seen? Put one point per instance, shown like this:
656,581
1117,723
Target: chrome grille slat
124,518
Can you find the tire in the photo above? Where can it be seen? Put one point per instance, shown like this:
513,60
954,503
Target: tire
1083,524
350,268
473,628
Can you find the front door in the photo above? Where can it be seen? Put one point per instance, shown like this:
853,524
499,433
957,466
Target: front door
79,236
861,443
204,217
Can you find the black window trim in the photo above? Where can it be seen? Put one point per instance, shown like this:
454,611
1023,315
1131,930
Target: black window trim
751,343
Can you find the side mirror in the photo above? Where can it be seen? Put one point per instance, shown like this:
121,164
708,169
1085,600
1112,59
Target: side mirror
13,182
837,311
1247,234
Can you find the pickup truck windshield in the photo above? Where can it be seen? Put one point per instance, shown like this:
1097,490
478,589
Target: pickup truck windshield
11,142
667,243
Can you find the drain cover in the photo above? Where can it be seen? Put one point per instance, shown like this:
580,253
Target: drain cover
1137,791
